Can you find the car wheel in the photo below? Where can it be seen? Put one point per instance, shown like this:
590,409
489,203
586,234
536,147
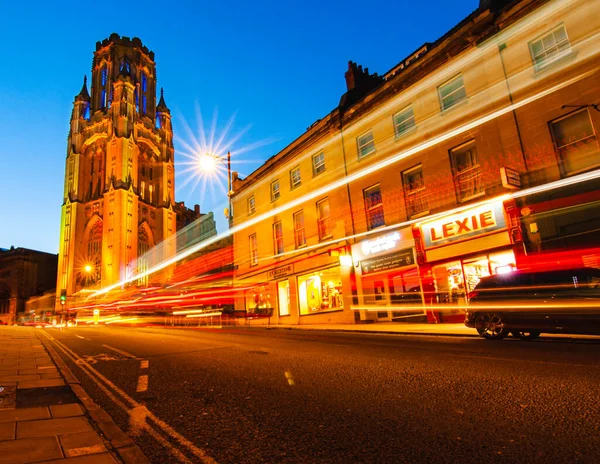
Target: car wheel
526,334
491,326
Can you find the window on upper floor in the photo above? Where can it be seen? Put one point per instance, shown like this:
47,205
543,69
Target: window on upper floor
374,207
278,238
452,92
318,163
103,87
253,244
366,144
576,142
275,190
251,206
550,47
467,172
295,179
323,219
404,121
414,191
299,233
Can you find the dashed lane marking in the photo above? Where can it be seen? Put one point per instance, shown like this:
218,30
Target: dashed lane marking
144,363
142,385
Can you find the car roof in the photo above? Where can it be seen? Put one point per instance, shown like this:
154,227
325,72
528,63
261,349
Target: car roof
527,277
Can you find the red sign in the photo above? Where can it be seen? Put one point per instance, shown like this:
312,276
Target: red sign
464,225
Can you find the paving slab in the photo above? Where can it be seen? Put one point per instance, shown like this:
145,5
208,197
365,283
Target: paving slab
66,410
80,444
40,383
7,430
26,414
104,458
52,427
29,450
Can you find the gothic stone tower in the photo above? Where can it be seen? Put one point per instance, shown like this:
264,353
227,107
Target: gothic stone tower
119,177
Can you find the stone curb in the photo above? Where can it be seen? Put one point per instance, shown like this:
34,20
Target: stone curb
120,443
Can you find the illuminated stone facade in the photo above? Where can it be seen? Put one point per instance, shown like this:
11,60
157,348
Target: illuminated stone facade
119,190
502,102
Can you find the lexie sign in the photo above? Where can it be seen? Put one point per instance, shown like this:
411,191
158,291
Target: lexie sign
462,226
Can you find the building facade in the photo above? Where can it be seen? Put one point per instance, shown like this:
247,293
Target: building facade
24,273
119,191
470,156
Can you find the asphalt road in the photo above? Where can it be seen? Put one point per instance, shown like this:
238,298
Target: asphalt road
281,396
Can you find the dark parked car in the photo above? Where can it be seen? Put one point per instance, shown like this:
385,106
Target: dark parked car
529,303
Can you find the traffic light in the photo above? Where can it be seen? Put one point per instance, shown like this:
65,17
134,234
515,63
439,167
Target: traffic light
63,297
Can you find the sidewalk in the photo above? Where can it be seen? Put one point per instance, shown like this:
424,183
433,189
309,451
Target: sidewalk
41,419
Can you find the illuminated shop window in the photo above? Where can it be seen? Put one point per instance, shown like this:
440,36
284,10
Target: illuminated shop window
258,301
320,292
283,295
374,207
414,191
404,121
467,172
452,92
295,179
366,144
299,234
576,142
551,47
318,163
323,219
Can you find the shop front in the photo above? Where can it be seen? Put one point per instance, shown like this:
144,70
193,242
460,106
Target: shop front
388,278
309,290
456,251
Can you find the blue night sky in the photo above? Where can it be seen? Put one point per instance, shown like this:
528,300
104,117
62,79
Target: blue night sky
275,66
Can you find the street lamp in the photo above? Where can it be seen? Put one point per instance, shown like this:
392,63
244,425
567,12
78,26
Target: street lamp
208,163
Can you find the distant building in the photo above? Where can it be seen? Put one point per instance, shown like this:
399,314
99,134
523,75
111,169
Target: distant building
193,226
119,190
23,273
395,203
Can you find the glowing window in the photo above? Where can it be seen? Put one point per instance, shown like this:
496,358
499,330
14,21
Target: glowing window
452,92
550,47
404,121
275,190
366,144
251,205
414,191
295,179
576,142
278,238
318,162
299,233
374,207
253,250
323,219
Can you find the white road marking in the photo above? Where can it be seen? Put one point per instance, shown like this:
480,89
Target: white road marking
142,385
124,353
144,363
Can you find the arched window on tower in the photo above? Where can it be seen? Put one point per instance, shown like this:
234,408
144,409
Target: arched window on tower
91,272
144,95
103,87
143,248
125,67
